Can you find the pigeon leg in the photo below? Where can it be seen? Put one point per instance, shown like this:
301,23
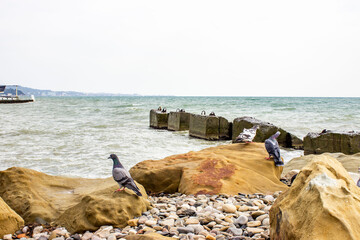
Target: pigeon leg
120,189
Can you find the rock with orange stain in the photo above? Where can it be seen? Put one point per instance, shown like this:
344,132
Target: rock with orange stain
228,169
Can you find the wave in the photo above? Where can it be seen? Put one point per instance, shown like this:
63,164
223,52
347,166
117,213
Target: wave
31,132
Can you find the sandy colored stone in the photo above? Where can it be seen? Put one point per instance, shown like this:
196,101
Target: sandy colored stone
78,204
254,230
323,203
147,236
229,208
10,221
253,224
133,222
349,162
228,169
210,237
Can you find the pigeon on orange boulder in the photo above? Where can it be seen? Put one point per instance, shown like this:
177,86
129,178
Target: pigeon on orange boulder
227,169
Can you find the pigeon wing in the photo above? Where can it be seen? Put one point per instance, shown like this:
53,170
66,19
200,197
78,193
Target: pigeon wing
123,177
120,175
269,147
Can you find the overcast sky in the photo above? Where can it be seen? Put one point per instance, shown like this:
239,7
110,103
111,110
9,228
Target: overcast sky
197,48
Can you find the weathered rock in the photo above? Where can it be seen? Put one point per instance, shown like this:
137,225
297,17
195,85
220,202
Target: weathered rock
76,203
209,127
104,207
350,162
226,169
158,119
179,121
323,203
331,141
10,221
264,131
148,236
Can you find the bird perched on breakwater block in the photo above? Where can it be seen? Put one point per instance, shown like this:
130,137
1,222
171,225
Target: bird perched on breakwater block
247,135
272,147
122,176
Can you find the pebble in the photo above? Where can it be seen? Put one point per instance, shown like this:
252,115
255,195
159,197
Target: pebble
266,222
87,235
210,237
235,231
185,230
242,219
38,230
215,217
111,236
254,230
229,208
150,223
133,222
7,237
192,221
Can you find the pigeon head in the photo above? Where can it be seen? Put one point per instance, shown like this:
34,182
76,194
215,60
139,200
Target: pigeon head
113,157
115,160
276,134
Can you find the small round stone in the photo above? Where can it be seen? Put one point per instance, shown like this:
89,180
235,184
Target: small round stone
229,208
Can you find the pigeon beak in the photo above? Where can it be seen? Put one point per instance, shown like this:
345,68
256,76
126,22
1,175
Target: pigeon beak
109,157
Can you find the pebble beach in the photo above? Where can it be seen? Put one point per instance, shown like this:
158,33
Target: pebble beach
212,217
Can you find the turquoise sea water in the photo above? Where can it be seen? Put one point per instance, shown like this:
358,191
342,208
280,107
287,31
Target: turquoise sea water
73,136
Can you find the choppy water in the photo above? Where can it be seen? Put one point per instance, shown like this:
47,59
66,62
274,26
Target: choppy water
74,136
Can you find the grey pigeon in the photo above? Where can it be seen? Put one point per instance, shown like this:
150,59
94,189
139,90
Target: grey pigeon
247,135
272,147
122,176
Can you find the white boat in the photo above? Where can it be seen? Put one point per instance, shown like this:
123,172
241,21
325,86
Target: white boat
9,98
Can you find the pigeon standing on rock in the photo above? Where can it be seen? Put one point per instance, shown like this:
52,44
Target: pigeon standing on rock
272,147
122,176
247,135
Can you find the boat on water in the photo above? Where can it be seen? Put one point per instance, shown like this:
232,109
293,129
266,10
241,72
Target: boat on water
10,98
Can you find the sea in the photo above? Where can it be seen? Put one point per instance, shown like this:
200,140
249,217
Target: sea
74,136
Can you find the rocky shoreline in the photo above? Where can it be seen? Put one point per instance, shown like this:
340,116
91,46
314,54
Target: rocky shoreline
213,195
180,216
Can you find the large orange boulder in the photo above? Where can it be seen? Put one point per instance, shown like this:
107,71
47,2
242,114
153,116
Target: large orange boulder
78,204
228,169
10,221
322,203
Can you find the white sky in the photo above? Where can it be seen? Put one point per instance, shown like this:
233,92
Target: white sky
197,48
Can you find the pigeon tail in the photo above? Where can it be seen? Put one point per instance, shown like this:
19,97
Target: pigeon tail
134,188
278,162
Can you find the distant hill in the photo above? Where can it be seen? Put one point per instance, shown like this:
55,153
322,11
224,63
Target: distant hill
47,93
12,91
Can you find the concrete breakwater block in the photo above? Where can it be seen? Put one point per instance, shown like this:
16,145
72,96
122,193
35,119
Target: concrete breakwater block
331,141
159,118
209,127
179,121
264,131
